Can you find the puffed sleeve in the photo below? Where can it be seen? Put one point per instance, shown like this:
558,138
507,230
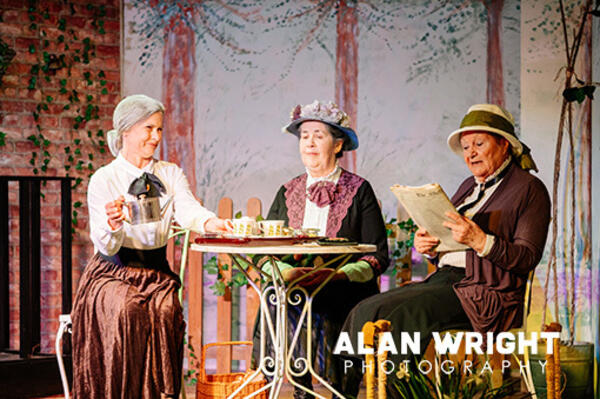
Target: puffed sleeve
372,228
106,240
278,210
523,252
188,211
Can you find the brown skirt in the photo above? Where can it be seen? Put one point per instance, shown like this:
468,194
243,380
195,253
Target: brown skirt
128,332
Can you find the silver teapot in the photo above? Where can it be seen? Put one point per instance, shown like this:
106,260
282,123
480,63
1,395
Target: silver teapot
146,210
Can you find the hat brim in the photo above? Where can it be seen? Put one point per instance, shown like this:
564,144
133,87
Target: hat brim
454,138
351,139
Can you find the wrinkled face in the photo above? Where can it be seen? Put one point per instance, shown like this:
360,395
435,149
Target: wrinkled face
483,152
143,137
317,146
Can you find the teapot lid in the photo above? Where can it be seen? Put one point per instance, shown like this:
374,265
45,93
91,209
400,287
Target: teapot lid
147,185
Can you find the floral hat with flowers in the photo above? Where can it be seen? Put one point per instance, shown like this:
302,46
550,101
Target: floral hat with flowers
328,113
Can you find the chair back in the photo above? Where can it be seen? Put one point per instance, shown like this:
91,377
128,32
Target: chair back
527,299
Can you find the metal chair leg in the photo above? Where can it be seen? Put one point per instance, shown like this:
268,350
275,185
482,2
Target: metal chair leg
65,325
528,376
176,231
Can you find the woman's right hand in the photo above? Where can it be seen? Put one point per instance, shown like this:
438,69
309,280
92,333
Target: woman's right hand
218,225
425,243
114,211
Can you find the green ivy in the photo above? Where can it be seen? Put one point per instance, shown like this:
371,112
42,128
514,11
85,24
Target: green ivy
2,139
87,110
220,286
401,247
191,375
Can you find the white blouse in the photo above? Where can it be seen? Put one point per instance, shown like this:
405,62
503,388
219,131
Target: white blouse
113,180
315,217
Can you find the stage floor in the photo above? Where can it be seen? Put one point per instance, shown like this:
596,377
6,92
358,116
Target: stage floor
287,393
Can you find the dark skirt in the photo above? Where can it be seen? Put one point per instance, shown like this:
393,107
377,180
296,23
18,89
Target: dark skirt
329,310
425,307
128,332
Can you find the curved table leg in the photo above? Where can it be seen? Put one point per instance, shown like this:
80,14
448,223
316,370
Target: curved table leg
278,295
294,297
274,294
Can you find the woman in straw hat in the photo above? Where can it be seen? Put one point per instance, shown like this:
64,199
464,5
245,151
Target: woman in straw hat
503,216
127,320
336,203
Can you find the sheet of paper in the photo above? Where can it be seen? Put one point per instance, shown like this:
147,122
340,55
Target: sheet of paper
427,206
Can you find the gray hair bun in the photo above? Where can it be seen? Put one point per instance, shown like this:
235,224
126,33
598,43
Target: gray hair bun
111,138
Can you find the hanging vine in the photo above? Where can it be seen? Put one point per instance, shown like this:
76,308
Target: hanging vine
71,53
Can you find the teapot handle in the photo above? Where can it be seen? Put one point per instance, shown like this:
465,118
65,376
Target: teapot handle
127,218
164,208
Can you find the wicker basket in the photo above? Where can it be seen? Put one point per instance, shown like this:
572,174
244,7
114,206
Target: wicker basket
220,386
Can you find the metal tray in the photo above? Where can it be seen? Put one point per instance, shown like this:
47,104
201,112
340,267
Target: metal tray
252,240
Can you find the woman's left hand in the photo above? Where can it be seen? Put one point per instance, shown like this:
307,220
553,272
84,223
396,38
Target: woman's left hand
465,231
217,225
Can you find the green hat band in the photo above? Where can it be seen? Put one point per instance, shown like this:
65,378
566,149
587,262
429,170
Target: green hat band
484,118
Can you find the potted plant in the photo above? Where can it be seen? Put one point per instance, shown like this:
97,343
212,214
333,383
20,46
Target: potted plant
401,236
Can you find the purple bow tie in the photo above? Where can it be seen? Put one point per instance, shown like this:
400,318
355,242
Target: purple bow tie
322,193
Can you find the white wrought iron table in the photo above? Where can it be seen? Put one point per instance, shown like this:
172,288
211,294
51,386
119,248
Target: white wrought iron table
280,294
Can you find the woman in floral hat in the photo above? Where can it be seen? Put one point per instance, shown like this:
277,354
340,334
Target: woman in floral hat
338,204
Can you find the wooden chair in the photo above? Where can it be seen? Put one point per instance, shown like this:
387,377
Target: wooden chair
430,352
497,358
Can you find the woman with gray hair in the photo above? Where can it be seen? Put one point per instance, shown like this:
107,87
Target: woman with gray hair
128,323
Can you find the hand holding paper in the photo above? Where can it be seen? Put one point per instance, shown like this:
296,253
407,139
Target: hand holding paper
427,206
465,231
425,243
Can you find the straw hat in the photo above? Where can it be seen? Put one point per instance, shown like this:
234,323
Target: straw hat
496,120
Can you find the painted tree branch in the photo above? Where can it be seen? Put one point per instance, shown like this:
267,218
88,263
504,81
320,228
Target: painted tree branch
566,117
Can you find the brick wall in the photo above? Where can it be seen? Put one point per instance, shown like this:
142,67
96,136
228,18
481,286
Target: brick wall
87,34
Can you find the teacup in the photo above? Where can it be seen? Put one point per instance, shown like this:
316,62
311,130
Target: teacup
244,226
271,228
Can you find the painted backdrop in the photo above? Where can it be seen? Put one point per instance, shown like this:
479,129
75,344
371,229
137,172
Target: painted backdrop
405,71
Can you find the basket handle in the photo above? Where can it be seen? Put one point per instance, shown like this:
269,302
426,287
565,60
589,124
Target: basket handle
205,347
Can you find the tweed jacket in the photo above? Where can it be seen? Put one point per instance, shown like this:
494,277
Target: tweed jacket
517,214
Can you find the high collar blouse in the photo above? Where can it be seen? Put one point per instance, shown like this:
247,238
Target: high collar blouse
113,180
315,217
